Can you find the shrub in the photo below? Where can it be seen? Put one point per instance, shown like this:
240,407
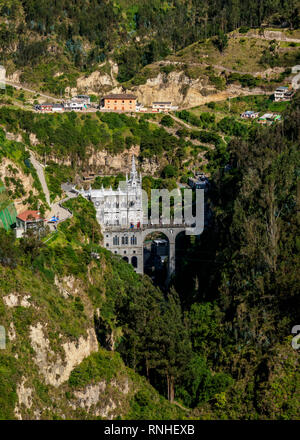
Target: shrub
244,29
167,121
169,171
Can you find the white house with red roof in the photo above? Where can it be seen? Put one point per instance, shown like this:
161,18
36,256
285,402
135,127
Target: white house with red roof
28,219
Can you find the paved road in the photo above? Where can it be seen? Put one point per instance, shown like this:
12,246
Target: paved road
58,211
55,209
41,175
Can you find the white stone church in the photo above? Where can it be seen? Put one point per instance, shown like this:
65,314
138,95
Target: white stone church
120,214
121,207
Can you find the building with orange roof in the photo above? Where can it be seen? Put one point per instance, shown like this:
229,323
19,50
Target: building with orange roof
28,219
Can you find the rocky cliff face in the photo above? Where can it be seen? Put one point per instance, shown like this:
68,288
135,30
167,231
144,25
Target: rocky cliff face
53,364
14,177
104,163
175,87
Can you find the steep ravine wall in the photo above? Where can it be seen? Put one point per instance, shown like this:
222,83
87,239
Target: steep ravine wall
105,163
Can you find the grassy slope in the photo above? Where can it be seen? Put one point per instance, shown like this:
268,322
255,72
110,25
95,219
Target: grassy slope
236,55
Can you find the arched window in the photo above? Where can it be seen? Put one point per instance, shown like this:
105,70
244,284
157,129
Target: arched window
125,259
116,240
133,240
124,240
134,262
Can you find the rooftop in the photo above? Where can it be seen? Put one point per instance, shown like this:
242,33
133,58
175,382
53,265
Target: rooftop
119,96
267,115
29,215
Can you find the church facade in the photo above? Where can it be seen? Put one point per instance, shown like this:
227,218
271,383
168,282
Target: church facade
124,226
120,214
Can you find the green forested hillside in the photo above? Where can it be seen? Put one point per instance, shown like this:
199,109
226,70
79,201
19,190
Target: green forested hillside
86,336
218,342
246,297
42,38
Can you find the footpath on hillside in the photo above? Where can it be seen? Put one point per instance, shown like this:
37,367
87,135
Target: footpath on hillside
56,209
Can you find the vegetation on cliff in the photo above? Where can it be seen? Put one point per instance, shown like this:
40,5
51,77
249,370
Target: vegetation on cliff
218,341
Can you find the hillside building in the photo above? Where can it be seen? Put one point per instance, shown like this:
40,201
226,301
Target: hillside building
120,214
121,207
249,114
75,105
162,106
119,102
283,94
83,98
28,220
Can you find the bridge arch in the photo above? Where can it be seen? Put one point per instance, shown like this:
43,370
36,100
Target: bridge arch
170,233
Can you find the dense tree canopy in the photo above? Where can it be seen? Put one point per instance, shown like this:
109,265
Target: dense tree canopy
137,33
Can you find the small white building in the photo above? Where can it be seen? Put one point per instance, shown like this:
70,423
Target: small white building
140,107
75,105
162,106
57,108
282,94
83,98
249,114
296,69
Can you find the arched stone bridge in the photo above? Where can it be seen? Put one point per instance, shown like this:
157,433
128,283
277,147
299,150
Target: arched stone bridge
129,243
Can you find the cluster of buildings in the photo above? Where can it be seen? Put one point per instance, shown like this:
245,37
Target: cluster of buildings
113,102
78,103
281,94
267,118
123,102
